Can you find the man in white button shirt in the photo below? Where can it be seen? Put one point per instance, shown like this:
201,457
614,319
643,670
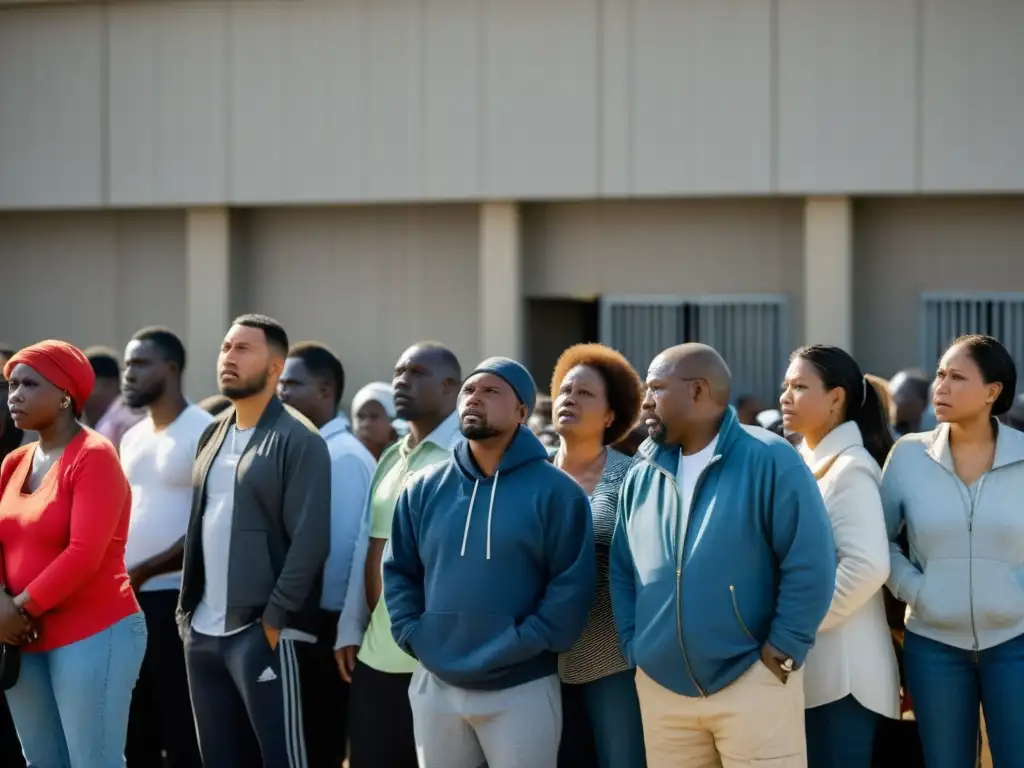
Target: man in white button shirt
312,383
157,455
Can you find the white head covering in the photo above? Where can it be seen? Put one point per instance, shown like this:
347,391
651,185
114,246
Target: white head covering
375,391
380,392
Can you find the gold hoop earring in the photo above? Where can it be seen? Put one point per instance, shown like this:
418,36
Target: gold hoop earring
65,403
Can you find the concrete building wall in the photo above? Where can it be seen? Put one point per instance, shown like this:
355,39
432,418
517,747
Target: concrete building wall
674,247
903,248
90,278
183,103
368,281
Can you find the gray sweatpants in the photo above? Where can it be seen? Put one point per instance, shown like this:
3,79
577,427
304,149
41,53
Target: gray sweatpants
515,728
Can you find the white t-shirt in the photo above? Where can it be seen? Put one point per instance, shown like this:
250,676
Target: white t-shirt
158,465
210,617
688,473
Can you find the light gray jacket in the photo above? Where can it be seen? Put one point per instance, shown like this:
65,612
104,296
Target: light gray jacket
964,578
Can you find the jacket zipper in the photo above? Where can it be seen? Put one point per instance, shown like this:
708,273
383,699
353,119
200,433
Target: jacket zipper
970,549
970,560
739,616
681,541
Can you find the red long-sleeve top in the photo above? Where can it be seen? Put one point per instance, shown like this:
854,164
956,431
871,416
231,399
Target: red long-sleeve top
64,543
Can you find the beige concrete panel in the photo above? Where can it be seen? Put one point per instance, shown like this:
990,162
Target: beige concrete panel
52,96
452,78
701,97
501,280
615,116
90,278
681,247
209,275
847,90
540,107
368,280
972,100
828,271
299,101
168,110
904,248
393,69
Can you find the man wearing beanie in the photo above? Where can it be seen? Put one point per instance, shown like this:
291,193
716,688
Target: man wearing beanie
489,577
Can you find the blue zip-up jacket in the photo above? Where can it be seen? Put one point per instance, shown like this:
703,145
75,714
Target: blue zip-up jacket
755,562
488,579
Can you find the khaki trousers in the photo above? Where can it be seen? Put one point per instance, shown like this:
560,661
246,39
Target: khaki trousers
757,722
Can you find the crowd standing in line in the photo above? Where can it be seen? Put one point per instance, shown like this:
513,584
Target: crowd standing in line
68,606
312,383
449,577
957,491
722,569
596,401
157,455
485,594
426,382
851,679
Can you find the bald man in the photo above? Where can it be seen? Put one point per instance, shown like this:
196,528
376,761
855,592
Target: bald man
722,568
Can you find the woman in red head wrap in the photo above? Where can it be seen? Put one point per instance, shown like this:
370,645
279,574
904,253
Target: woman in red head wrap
64,510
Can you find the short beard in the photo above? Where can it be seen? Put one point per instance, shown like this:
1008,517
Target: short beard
482,431
147,398
246,389
661,436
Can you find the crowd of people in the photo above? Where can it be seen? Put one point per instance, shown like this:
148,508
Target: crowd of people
619,573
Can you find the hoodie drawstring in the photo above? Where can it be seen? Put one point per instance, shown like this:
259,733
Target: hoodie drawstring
469,516
490,515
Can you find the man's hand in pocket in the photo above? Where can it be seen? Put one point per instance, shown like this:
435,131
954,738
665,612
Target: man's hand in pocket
273,636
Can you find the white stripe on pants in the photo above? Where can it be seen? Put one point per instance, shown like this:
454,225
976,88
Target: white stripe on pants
295,737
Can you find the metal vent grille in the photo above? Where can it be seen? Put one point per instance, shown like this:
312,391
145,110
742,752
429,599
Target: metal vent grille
944,316
750,332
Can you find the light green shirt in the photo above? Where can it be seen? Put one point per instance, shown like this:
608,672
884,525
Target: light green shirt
396,465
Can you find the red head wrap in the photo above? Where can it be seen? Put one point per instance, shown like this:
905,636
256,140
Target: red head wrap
63,365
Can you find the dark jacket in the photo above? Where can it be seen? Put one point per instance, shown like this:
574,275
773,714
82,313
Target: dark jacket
281,524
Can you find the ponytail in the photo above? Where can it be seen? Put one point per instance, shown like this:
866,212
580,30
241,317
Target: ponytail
862,403
874,424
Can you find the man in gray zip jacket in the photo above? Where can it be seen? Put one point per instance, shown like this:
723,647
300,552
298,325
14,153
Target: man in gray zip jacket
257,540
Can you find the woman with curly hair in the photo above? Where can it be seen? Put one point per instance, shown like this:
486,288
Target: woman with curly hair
596,398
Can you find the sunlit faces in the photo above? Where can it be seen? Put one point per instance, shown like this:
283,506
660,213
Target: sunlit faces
808,408
960,391
144,378
33,401
488,407
372,426
245,364
581,405
668,400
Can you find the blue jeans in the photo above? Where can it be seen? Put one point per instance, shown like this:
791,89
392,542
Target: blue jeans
840,734
70,705
947,684
614,711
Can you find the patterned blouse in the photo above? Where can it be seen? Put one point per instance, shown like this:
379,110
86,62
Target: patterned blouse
596,653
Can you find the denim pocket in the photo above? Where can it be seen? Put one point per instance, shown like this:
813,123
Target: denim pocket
137,624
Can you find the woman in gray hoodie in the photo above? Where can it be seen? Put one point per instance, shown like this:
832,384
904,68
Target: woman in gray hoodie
959,491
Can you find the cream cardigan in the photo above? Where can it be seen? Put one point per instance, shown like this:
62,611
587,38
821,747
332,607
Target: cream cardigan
853,653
